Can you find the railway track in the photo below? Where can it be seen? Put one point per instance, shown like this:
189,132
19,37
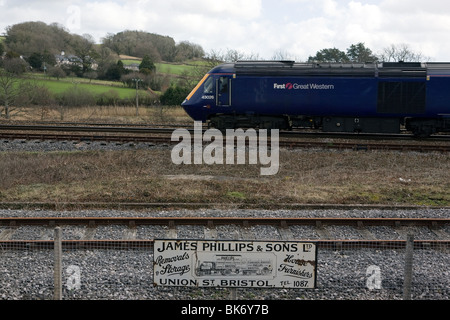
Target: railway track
293,140
9,225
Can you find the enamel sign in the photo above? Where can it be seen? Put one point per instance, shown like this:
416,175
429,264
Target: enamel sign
238,264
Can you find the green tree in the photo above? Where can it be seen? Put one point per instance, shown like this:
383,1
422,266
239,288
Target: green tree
329,55
40,60
35,60
147,66
28,37
139,44
359,53
84,47
115,72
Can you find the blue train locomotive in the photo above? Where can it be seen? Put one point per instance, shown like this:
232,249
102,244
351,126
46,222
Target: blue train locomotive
369,97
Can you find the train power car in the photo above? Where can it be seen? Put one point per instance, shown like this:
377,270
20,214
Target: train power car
333,97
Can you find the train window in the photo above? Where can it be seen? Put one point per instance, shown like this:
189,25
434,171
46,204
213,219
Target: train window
223,85
223,94
209,85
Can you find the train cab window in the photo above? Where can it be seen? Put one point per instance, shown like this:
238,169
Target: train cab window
223,94
209,85
223,85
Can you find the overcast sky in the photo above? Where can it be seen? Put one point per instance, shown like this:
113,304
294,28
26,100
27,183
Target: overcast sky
298,28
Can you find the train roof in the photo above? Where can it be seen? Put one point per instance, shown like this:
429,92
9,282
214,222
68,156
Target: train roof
292,68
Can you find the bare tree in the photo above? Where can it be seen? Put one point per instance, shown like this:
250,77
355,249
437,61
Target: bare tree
401,52
281,55
8,91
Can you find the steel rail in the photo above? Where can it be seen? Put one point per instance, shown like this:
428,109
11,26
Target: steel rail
283,143
79,138
215,205
115,129
148,243
128,128
212,221
365,146
165,138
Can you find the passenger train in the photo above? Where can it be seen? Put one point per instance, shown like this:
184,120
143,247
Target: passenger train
333,97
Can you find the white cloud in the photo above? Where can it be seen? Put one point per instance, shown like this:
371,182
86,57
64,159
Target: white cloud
299,27
249,9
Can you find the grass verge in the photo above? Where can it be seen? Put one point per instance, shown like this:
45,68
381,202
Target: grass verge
308,177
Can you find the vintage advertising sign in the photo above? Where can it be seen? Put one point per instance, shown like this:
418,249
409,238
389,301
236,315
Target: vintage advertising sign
251,264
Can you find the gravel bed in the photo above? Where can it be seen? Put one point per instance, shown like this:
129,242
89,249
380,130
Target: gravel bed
342,273
45,146
329,213
127,274
304,232
151,232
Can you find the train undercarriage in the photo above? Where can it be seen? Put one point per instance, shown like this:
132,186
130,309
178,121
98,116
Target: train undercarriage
420,127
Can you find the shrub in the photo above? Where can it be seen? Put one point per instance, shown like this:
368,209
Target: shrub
174,96
109,98
76,97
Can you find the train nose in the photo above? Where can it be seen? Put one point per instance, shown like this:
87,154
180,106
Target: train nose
185,103
194,111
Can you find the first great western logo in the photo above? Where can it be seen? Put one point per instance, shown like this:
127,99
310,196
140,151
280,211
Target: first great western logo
303,86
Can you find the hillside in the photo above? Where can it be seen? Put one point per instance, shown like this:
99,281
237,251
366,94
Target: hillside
28,38
72,68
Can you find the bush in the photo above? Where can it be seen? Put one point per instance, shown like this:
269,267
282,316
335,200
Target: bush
109,98
76,97
174,96
33,94
56,72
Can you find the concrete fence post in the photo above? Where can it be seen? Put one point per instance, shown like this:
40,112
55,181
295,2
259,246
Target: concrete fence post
58,265
407,281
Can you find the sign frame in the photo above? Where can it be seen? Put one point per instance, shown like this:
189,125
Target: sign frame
206,263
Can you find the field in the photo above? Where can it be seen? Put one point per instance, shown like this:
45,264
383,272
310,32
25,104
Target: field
97,87
171,69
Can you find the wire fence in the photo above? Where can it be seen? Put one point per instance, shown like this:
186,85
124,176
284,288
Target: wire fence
114,271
